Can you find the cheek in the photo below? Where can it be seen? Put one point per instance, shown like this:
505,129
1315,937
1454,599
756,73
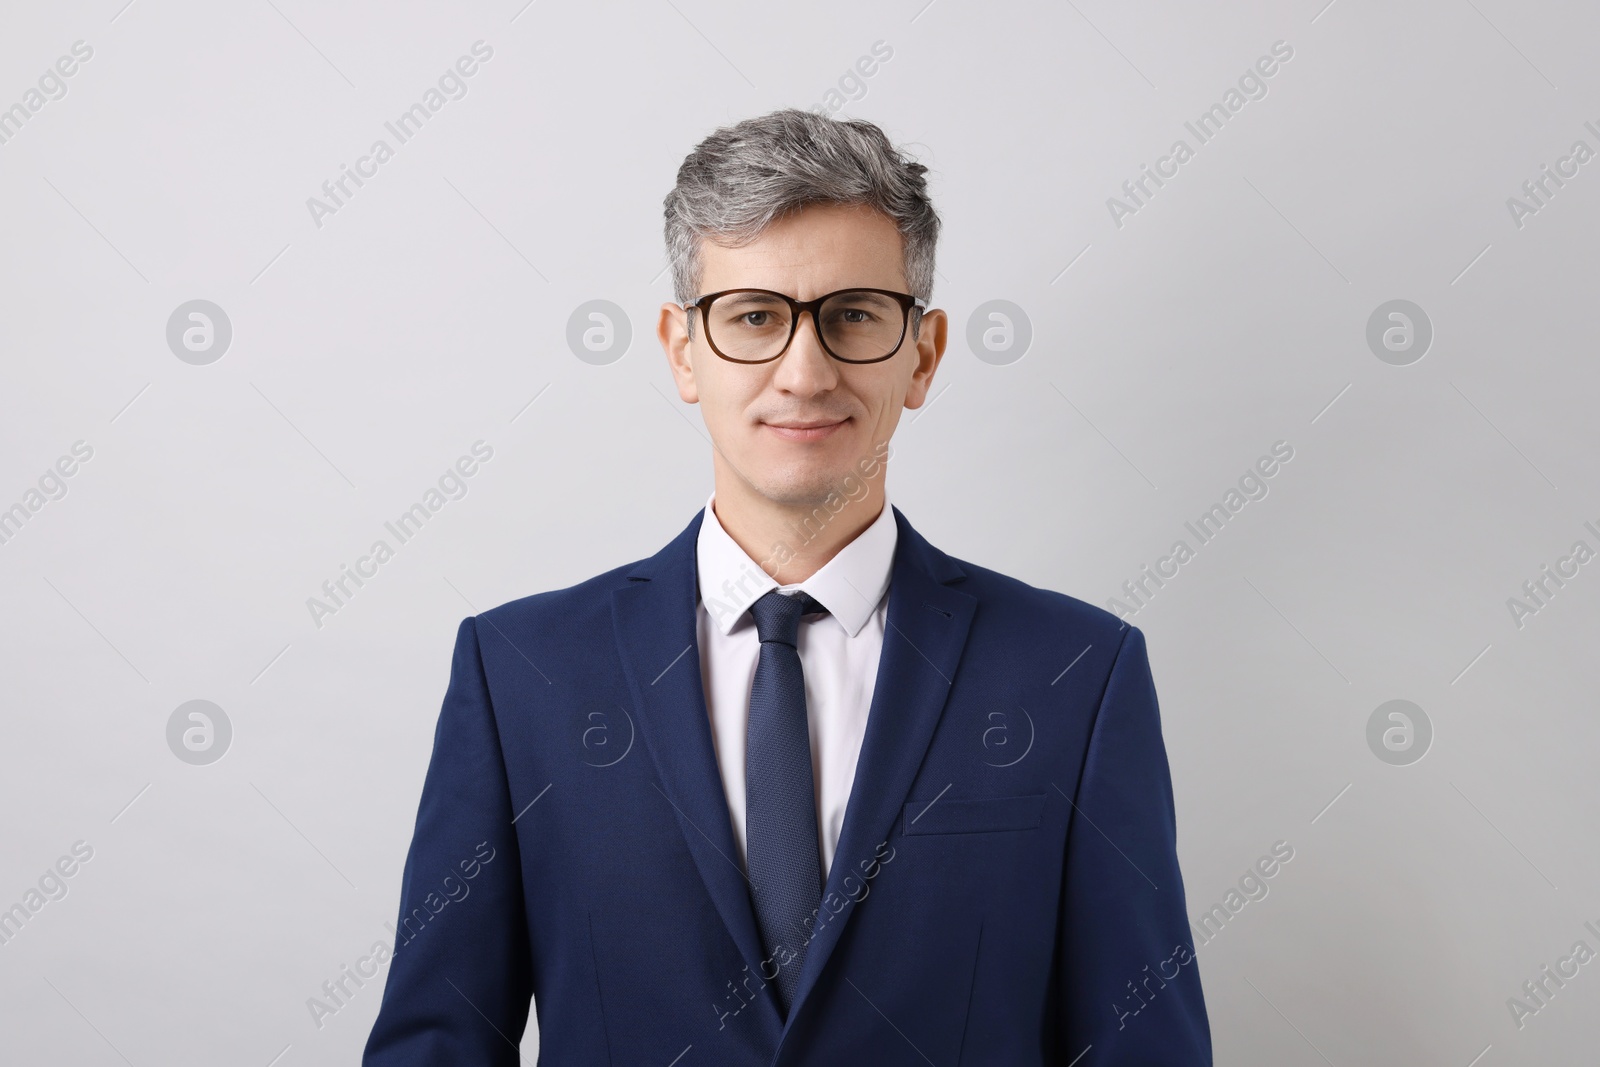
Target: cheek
884,397
725,400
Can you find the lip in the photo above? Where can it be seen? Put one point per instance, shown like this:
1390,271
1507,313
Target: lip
806,431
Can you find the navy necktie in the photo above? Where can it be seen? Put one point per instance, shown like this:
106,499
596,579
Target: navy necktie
780,797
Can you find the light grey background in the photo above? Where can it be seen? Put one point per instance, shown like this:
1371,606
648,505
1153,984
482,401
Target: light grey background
1167,355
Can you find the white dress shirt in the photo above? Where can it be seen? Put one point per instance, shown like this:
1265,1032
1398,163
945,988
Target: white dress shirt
838,654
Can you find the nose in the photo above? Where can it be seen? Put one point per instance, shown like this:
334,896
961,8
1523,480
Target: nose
805,368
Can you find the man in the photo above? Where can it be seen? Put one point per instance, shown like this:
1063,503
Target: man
800,788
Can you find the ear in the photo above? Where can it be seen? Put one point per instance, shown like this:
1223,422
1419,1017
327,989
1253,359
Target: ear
930,344
673,331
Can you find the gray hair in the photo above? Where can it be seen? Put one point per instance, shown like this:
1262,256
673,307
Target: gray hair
743,177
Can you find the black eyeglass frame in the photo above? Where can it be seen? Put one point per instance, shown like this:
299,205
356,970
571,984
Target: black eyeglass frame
797,308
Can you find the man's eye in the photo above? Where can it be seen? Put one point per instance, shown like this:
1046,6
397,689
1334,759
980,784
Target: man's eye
755,318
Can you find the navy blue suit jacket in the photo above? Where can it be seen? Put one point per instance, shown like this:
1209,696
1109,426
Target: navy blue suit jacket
1005,890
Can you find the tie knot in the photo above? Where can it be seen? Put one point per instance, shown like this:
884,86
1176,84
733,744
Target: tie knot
778,614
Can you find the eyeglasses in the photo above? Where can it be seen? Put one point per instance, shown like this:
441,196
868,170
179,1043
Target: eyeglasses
853,325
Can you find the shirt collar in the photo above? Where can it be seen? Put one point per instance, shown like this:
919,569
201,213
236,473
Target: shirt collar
850,585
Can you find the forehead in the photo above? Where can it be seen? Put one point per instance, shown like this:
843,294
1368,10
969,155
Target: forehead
813,250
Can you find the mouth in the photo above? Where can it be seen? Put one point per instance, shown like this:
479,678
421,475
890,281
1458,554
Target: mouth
812,430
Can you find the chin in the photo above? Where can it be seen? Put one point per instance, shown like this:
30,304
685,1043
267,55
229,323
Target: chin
804,487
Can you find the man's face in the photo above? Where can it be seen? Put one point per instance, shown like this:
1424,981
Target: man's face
795,428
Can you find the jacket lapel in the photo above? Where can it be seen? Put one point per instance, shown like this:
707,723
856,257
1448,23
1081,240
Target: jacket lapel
654,618
927,626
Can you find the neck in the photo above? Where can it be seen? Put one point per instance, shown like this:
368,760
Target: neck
792,541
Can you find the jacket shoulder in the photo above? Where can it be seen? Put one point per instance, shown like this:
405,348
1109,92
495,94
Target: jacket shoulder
545,636
566,607
1030,605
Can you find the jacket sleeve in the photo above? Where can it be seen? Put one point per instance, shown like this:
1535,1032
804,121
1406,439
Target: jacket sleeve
1129,982
459,981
